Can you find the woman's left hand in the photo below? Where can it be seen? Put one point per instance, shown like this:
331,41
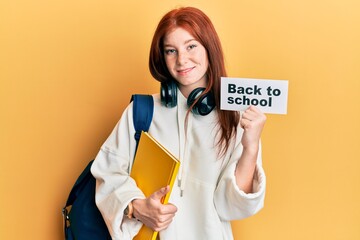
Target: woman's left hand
252,121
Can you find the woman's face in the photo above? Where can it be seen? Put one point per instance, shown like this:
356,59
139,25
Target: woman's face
186,60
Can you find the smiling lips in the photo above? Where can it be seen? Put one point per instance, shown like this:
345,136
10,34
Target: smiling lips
184,71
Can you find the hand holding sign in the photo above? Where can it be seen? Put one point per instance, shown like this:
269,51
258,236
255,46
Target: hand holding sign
270,96
252,121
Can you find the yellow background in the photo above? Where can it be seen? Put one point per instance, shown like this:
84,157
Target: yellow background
68,68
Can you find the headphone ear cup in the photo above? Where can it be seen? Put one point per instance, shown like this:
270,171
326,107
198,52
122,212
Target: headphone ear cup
168,94
193,95
205,103
163,93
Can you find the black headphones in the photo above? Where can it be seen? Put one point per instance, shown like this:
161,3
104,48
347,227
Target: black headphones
204,105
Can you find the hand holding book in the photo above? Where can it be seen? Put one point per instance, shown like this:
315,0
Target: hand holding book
154,170
152,212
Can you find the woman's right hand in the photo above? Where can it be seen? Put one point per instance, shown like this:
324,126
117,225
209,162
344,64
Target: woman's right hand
152,212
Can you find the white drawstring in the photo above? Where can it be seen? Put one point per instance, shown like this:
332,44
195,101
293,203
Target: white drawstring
185,143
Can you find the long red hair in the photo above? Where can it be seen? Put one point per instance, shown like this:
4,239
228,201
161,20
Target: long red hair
201,28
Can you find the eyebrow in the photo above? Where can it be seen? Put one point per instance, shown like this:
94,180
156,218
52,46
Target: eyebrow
186,42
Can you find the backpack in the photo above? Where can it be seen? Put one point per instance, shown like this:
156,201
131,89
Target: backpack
82,218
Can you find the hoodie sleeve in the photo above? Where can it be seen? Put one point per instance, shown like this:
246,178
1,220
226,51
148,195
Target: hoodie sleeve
114,187
231,202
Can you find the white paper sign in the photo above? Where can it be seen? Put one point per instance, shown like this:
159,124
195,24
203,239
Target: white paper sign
270,96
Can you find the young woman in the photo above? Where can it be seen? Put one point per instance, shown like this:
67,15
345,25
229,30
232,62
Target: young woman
221,176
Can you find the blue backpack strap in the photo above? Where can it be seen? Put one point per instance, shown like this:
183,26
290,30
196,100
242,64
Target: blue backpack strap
84,220
142,116
143,110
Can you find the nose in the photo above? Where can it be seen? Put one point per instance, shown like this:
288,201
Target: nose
182,58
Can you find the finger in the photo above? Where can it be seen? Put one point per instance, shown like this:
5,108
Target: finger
254,109
246,114
168,209
253,113
249,115
162,225
158,195
244,123
164,217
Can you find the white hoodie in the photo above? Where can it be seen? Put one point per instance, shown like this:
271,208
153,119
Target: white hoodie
207,196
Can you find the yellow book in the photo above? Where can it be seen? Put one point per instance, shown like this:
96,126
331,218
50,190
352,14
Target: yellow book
154,167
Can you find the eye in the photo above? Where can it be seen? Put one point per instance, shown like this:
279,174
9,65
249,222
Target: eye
192,46
170,51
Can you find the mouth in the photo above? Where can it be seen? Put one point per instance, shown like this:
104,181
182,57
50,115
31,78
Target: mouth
184,71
